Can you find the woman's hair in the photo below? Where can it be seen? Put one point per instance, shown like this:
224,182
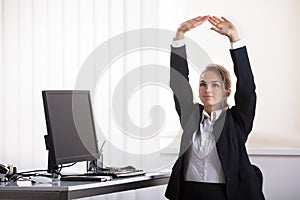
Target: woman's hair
222,72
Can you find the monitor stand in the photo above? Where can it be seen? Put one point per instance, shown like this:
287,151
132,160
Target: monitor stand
52,166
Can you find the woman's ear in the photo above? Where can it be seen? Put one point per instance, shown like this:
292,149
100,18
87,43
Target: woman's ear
228,92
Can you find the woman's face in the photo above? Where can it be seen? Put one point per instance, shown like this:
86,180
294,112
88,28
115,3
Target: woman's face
212,92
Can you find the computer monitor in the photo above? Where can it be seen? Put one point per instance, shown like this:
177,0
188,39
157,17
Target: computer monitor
70,126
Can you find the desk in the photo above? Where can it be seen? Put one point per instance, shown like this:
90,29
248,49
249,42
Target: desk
64,190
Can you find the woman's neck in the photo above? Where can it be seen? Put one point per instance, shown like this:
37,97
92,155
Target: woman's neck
210,109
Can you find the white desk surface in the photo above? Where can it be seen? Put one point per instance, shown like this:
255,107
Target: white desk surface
76,189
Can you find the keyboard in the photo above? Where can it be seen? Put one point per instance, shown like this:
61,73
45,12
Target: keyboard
117,172
84,178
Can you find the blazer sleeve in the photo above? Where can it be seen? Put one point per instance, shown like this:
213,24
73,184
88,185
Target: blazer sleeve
179,83
245,95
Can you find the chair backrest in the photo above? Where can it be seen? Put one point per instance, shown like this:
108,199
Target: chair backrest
258,174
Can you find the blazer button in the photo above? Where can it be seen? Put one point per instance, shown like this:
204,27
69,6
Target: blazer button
228,179
222,157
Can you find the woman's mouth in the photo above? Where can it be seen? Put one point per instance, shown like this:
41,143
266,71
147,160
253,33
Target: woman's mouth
208,97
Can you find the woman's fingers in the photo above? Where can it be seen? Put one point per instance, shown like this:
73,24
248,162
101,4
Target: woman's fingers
198,20
192,23
226,20
220,25
215,21
215,29
224,27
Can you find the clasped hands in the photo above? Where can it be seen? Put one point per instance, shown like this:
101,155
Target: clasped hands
221,25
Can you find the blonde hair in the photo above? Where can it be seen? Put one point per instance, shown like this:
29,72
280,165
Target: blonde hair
222,72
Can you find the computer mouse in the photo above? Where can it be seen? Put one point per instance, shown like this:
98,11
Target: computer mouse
41,179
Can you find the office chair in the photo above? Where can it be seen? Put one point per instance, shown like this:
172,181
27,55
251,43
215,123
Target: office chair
258,174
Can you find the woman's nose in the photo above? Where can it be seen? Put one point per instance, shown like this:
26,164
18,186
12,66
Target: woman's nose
208,88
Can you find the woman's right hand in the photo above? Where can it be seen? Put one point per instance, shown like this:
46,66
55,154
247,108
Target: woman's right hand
189,25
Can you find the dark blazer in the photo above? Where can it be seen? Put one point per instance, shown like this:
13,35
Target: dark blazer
231,130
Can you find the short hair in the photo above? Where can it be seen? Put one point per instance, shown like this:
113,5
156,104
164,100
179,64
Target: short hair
220,71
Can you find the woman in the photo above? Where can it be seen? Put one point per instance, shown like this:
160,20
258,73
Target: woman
213,163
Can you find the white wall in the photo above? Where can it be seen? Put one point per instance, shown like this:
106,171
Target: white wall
280,173
271,30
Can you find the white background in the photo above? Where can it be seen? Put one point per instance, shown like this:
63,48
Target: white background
45,42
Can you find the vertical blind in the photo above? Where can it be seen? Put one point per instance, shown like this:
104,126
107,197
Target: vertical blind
44,44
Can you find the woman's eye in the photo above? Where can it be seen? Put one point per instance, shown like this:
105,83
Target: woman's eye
202,85
215,85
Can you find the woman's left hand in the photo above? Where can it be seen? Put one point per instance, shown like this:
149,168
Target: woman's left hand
224,27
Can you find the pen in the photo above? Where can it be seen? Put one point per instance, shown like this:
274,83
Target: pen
101,148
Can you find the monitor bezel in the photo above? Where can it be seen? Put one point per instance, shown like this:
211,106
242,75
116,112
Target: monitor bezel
53,161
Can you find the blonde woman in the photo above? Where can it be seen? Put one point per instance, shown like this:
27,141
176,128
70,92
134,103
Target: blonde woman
213,163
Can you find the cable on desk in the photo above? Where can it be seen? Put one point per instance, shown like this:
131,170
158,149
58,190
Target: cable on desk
64,166
23,174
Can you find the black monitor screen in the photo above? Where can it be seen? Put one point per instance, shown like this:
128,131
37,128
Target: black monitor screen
70,126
